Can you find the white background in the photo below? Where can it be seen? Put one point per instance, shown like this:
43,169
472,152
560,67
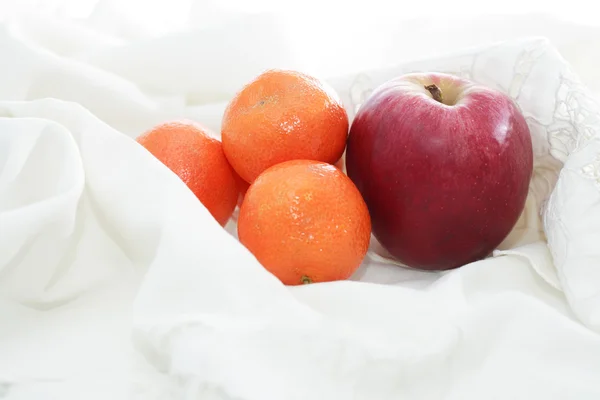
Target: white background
114,251
318,28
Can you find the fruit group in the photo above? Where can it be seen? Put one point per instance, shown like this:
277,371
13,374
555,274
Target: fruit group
281,116
305,222
189,151
444,166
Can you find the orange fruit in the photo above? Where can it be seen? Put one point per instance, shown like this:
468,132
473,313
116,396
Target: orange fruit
281,116
188,150
305,222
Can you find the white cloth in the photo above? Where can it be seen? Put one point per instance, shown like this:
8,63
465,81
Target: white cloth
116,283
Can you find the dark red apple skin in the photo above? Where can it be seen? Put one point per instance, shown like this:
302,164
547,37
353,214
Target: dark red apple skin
444,184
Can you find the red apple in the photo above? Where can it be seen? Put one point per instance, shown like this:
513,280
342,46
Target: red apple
444,166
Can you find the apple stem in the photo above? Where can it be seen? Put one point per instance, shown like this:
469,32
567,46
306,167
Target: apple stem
435,91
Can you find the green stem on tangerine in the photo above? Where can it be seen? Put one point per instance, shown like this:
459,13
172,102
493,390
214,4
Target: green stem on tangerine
305,280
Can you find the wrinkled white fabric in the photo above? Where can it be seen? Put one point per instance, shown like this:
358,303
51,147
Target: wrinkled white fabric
115,282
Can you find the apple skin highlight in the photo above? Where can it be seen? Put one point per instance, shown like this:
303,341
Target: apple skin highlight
445,179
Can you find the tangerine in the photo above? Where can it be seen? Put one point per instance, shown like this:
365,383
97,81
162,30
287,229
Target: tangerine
280,116
305,222
188,150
